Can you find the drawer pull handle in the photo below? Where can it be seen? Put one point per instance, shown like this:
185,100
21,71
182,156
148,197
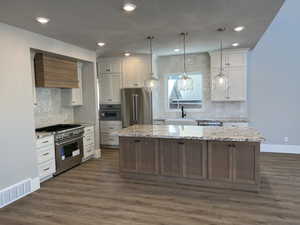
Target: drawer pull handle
137,141
181,143
47,169
44,142
46,154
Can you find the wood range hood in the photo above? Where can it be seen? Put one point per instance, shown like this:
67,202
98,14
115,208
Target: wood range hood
52,71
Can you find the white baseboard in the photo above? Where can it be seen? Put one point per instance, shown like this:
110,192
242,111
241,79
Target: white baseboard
291,149
35,184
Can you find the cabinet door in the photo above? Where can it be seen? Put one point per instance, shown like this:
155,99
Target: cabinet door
219,161
215,60
195,159
106,90
171,154
237,84
115,89
245,163
110,65
128,154
234,59
147,156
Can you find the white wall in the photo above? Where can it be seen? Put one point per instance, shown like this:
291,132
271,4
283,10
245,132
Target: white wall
274,78
18,158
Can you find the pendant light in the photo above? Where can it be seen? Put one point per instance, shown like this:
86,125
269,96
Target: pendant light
221,78
185,83
152,82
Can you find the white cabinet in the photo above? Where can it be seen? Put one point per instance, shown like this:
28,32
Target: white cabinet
136,71
45,150
235,69
110,65
108,128
110,89
73,97
88,143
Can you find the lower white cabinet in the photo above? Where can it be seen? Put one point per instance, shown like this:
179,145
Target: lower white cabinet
45,149
88,143
108,128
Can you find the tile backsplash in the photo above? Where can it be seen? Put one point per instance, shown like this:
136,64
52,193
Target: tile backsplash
50,110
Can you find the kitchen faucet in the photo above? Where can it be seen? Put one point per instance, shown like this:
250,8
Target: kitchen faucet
183,114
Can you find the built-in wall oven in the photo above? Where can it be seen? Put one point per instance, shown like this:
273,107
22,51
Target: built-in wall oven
110,112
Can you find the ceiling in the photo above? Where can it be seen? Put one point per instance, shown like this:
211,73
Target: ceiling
84,23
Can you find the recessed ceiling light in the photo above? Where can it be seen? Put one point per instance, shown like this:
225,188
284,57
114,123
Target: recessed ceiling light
127,54
239,28
235,44
101,44
129,7
42,20
176,50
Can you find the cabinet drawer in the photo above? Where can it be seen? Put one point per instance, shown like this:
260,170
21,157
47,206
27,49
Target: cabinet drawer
110,129
45,155
46,141
109,139
46,169
88,130
110,124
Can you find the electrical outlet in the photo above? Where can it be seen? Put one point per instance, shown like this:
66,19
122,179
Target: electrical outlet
286,139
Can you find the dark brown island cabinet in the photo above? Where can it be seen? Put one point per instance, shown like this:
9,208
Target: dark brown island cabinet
220,164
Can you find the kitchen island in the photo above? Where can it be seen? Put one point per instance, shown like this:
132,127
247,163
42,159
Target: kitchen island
222,157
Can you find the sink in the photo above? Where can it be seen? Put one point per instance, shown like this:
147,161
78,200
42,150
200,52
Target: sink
181,121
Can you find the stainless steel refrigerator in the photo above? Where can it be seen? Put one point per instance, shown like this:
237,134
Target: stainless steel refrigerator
136,106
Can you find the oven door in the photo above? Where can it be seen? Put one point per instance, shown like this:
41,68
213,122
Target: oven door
68,154
110,115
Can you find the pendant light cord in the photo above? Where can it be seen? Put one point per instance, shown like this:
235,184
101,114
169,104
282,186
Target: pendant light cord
184,52
150,38
221,54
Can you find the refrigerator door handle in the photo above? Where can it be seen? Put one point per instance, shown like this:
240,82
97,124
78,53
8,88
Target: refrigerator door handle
136,108
133,108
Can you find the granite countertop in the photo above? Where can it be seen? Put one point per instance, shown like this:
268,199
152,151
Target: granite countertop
229,119
193,132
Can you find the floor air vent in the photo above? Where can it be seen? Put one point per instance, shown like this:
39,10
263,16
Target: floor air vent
14,192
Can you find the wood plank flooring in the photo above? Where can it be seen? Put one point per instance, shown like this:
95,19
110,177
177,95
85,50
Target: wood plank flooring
94,194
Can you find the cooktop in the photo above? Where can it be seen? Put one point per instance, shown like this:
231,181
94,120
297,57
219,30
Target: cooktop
58,127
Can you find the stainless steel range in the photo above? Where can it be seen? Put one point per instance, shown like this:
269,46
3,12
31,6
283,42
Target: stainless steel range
68,145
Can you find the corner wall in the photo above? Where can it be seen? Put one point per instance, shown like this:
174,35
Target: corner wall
274,78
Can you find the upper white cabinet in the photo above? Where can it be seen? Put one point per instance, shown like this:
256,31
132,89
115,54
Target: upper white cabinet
235,69
135,71
73,97
110,65
110,88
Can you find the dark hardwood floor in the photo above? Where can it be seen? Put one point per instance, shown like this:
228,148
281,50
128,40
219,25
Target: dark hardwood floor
94,194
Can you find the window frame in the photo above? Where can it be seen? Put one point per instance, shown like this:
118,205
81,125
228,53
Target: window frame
166,97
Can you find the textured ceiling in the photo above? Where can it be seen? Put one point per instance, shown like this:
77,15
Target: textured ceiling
84,23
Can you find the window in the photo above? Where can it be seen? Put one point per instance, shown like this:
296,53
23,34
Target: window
189,99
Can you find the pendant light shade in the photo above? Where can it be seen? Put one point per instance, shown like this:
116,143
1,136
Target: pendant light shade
221,79
185,83
153,81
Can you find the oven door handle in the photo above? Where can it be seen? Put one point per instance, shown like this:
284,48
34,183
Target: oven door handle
69,141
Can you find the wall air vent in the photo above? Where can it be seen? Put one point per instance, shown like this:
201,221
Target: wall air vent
14,192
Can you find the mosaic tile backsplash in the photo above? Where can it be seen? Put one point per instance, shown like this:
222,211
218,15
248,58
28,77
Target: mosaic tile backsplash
50,110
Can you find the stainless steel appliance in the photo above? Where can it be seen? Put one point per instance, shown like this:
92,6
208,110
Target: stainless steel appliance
110,112
68,145
136,106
